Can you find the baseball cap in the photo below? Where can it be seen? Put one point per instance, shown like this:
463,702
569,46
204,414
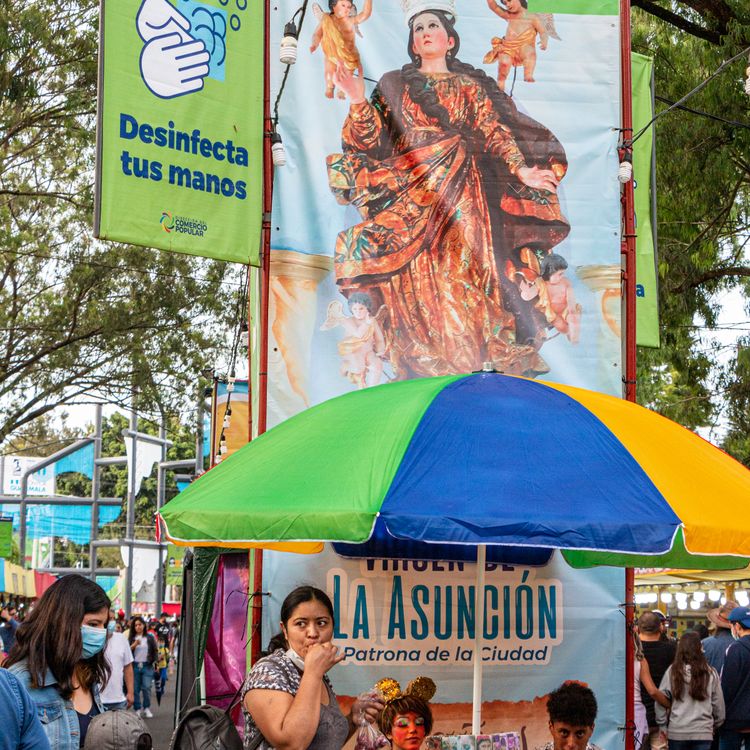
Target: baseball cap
740,615
117,730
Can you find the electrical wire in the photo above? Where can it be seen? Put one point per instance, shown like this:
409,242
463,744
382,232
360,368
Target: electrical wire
628,143
302,9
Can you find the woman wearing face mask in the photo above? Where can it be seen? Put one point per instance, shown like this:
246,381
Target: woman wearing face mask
287,696
58,656
143,646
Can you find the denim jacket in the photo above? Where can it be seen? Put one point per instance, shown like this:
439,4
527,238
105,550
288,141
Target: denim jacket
59,718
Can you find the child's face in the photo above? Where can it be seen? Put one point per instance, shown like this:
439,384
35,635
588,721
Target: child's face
557,277
359,311
342,8
408,731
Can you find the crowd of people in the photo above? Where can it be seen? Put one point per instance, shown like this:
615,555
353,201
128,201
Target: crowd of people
693,693
73,667
77,674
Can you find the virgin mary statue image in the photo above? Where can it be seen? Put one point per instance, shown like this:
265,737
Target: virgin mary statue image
450,180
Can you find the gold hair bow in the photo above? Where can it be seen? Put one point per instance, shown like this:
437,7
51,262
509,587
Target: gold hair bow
420,687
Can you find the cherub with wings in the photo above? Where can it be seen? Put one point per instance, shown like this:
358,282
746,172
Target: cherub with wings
363,348
336,33
517,48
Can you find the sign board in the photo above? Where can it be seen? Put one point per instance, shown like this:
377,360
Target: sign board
180,126
41,483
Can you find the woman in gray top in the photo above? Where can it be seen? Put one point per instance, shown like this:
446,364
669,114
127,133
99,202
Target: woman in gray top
287,696
697,702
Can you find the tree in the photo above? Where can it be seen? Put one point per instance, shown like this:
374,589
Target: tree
80,318
737,439
703,193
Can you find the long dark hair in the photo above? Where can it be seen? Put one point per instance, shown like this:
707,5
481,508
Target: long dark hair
690,654
50,637
131,630
300,595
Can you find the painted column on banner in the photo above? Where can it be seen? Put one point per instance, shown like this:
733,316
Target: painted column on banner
180,126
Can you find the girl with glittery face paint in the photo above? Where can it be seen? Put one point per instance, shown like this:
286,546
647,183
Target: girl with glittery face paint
406,721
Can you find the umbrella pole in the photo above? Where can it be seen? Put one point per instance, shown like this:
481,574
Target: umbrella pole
476,715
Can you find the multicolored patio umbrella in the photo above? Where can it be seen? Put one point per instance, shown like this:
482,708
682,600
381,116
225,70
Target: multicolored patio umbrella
477,459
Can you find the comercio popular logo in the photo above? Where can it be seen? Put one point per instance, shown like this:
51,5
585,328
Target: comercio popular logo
167,221
182,224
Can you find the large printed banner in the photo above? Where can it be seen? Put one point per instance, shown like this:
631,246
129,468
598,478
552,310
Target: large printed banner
450,196
647,290
180,126
400,619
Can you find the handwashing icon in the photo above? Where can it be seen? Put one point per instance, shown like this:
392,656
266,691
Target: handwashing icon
173,62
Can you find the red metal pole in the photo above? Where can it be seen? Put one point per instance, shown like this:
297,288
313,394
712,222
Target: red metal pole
256,601
628,250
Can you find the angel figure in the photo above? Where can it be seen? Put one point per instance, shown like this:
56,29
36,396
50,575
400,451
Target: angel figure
336,32
517,47
556,298
363,348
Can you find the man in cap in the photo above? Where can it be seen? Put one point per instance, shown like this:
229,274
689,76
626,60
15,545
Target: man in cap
735,683
659,653
715,646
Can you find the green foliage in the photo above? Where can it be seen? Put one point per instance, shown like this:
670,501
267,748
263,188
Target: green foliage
80,317
737,383
703,194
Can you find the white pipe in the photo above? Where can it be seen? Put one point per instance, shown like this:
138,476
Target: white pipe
476,714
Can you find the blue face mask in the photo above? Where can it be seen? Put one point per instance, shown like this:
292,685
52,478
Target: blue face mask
111,626
93,640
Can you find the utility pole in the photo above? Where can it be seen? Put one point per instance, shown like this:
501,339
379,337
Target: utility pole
130,514
95,489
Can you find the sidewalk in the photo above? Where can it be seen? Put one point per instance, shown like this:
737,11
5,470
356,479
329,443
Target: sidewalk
161,726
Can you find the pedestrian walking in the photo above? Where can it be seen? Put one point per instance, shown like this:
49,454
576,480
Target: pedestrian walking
58,657
659,652
735,683
697,709
120,661
642,680
716,645
143,647
8,627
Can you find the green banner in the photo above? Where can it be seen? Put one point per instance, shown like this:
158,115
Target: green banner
647,288
6,536
173,575
180,126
